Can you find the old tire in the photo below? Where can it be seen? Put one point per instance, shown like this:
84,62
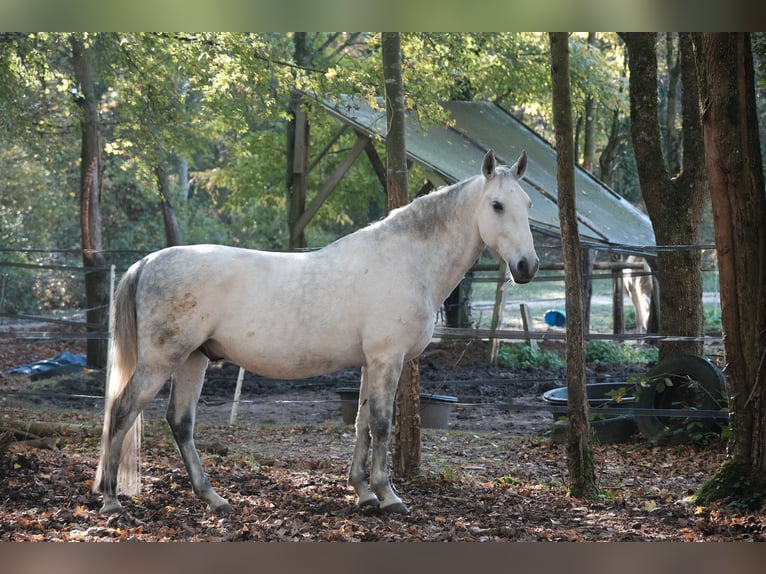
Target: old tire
681,382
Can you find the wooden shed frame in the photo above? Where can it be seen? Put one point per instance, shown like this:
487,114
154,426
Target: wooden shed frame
452,153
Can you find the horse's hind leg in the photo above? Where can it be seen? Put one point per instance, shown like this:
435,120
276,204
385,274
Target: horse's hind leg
184,395
121,456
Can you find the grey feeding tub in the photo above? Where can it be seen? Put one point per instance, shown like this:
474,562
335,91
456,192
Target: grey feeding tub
607,423
434,409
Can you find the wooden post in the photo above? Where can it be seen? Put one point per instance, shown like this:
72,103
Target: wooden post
237,393
618,307
588,259
526,321
329,185
497,313
297,197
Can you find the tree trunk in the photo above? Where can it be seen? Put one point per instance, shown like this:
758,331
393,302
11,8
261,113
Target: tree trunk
608,157
735,170
589,139
607,161
297,152
582,477
90,206
674,204
406,452
672,62
172,231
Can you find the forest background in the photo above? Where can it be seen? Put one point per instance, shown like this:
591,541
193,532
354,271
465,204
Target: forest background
202,125
198,121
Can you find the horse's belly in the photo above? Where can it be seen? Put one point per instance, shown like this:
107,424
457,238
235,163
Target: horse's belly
293,360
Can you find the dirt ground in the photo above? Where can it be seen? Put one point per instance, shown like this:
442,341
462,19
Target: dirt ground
491,475
489,398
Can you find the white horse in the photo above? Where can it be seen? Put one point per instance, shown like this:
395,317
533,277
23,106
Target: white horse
638,285
369,299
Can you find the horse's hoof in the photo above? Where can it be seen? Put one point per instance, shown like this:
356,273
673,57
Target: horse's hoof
225,508
111,507
123,519
369,506
395,508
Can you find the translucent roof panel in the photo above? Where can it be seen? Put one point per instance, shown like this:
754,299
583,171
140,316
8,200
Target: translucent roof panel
455,153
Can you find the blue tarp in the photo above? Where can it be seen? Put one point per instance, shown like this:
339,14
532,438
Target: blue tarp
61,360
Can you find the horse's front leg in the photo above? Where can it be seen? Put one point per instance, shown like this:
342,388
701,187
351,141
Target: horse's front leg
357,477
383,378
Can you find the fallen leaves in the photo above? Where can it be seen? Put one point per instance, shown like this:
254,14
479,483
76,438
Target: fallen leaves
289,484
515,493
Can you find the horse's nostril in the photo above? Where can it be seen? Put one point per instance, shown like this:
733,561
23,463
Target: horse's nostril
522,267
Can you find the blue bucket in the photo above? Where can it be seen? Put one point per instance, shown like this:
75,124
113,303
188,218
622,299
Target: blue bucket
556,318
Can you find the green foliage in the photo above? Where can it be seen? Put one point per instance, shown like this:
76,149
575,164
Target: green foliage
217,104
598,351
601,351
712,320
509,480
519,356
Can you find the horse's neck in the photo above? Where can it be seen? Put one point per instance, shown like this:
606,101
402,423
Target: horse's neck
447,241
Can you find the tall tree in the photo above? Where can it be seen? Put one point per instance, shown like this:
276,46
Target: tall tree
589,143
582,477
90,201
735,170
173,234
406,452
673,72
674,201
297,150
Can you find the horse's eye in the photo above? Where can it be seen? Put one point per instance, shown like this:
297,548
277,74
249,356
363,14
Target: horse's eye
497,206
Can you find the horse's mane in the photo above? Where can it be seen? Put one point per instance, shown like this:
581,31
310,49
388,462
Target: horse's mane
427,213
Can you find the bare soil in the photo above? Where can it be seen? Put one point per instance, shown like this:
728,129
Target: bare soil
490,398
491,475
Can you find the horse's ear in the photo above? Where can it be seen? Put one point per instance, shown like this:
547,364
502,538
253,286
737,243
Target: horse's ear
520,167
489,164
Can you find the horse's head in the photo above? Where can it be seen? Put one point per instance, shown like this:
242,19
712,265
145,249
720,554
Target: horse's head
503,216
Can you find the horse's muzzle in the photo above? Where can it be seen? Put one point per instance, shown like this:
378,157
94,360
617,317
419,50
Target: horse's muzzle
525,270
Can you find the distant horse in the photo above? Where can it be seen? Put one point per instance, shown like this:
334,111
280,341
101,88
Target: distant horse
639,288
369,299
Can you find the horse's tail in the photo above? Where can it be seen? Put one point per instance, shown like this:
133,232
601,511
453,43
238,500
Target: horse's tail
123,353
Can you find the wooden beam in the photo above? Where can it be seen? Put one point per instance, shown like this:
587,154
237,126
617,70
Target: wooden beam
376,163
299,163
296,196
330,184
427,188
326,148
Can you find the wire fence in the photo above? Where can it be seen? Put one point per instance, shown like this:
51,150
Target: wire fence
63,319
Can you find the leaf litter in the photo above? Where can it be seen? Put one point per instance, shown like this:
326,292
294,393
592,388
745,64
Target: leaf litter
288,483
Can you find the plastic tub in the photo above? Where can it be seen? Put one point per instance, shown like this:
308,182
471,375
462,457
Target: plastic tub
434,409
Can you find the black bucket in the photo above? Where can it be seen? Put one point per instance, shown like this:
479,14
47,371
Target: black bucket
601,396
434,409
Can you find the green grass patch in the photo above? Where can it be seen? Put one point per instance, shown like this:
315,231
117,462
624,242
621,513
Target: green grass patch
601,351
521,356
